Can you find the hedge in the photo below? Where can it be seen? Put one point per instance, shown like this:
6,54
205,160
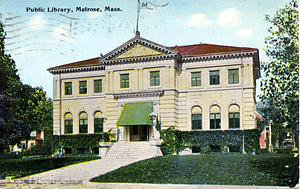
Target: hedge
175,140
86,141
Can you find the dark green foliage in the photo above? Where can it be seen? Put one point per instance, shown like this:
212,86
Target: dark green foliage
171,143
284,150
208,169
205,149
87,141
262,151
25,167
23,108
175,140
34,108
9,83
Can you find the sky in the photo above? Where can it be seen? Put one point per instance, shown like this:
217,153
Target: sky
38,37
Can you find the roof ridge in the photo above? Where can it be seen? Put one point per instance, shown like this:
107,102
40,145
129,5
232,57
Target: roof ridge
199,44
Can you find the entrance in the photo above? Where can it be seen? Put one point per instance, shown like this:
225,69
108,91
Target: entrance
139,133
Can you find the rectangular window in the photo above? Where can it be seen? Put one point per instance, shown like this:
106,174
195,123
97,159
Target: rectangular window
98,86
233,76
154,78
83,126
196,121
196,79
98,125
124,81
82,87
215,121
68,126
68,88
234,120
214,77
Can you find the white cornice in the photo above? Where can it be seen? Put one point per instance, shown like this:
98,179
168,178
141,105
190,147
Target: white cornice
132,94
142,59
78,69
218,56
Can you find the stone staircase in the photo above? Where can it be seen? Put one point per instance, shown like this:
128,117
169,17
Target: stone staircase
132,150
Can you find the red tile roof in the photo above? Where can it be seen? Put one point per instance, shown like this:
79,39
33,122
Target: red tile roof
205,48
89,62
187,50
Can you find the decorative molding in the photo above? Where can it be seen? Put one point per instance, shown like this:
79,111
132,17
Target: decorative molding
142,59
79,69
134,94
218,56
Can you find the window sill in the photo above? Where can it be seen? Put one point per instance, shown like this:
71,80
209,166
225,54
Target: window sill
196,87
124,89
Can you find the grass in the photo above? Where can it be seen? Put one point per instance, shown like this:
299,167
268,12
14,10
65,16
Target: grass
267,169
25,167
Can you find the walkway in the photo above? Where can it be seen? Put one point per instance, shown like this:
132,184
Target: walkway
77,174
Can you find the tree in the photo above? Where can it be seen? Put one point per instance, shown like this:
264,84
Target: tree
22,108
34,108
9,82
280,88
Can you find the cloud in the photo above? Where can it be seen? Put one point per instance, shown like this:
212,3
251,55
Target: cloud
244,32
37,22
199,20
229,17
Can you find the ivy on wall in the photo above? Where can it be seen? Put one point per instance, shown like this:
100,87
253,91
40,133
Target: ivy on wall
75,142
175,140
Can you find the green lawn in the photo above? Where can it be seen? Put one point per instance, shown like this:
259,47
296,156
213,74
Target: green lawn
26,167
267,169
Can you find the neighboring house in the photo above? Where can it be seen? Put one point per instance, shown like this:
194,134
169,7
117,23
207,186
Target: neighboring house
192,87
36,139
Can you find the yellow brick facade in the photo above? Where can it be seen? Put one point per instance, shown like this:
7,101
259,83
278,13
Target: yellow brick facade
174,98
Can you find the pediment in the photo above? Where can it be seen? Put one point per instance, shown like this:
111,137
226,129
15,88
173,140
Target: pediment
137,49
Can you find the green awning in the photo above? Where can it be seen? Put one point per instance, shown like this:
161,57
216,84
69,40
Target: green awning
136,114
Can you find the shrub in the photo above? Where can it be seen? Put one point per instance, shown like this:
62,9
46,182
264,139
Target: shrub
170,143
284,150
206,150
174,140
262,151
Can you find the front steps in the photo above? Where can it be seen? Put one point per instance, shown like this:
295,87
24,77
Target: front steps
133,150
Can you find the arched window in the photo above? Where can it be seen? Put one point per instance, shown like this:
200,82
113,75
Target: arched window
83,123
196,118
98,122
234,117
215,117
68,123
